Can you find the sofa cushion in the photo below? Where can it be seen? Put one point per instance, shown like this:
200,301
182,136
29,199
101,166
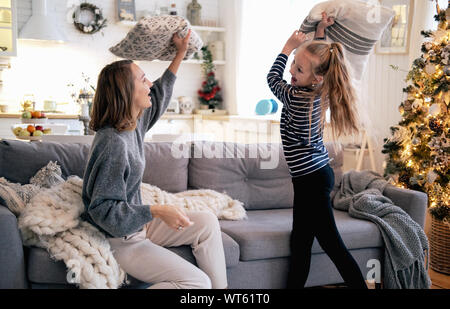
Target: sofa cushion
43,269
19,161
266,233
164,170
255,174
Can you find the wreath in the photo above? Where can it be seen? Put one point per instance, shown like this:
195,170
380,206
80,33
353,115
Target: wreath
92,26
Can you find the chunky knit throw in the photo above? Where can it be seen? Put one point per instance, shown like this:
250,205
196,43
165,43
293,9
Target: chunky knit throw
361,194
51,220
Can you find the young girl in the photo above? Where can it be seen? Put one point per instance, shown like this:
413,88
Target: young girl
126,106
319,80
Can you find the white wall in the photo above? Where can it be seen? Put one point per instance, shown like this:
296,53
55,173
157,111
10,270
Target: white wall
45,69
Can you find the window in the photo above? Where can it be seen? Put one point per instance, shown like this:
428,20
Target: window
266,25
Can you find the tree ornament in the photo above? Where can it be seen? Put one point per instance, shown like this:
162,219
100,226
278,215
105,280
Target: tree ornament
430,68
431,176
435,109
407,106
416,141
435,125
417,103
447,70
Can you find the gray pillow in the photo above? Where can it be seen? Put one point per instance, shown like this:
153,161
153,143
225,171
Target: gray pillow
16,196
151,38
48,176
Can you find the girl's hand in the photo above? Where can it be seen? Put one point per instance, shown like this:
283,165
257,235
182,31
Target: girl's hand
181,43
173,216
325,22
296,39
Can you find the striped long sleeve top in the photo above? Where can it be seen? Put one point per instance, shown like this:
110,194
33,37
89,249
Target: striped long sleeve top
303,155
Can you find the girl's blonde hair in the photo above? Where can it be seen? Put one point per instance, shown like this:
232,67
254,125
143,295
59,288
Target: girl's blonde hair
336,90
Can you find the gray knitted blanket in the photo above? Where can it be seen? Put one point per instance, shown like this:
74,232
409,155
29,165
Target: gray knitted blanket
406,245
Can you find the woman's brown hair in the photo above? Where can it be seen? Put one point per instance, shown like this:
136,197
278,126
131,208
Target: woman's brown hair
336,90
113,98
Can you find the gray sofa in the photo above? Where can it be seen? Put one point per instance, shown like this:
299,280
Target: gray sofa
256,249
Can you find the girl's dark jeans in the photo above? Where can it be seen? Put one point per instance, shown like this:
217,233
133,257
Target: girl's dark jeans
313,217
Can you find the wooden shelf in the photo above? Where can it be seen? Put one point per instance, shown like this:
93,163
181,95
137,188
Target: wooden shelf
196,28
208,29
193,61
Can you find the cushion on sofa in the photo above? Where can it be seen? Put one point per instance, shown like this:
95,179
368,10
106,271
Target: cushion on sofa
164,170
266,233
19,160
42,269
255,174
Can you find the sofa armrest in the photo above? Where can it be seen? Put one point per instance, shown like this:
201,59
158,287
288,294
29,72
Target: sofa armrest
413,202
12,260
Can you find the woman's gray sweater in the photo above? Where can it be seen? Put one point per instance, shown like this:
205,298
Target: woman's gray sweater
113,174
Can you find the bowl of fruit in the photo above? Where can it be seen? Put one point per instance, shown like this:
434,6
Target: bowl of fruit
30,132
34,117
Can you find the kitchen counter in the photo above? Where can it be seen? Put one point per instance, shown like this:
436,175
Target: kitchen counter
49,115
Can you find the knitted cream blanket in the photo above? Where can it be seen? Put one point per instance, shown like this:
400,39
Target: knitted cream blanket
52,221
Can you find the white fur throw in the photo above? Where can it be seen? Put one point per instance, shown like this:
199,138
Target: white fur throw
220,204
51,220
151,39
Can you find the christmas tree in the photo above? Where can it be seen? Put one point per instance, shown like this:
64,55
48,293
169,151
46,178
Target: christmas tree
210,94
418,151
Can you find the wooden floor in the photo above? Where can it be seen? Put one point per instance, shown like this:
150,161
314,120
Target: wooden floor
439,281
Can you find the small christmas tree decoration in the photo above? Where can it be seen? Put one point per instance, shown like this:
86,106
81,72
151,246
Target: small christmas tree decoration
209,95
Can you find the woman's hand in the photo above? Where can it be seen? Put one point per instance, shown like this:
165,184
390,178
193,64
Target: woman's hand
181,43
296,39
173,216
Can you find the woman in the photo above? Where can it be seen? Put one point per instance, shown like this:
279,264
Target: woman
126,106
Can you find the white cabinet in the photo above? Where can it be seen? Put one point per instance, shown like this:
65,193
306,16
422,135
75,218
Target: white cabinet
5,127
8,28
171,127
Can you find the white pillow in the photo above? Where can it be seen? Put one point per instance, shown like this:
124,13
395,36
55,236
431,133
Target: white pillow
151,38
358,26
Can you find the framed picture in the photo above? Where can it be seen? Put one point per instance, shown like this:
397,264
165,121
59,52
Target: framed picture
395,39
126,10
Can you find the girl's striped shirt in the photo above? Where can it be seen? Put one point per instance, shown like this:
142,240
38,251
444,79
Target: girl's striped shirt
303,156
